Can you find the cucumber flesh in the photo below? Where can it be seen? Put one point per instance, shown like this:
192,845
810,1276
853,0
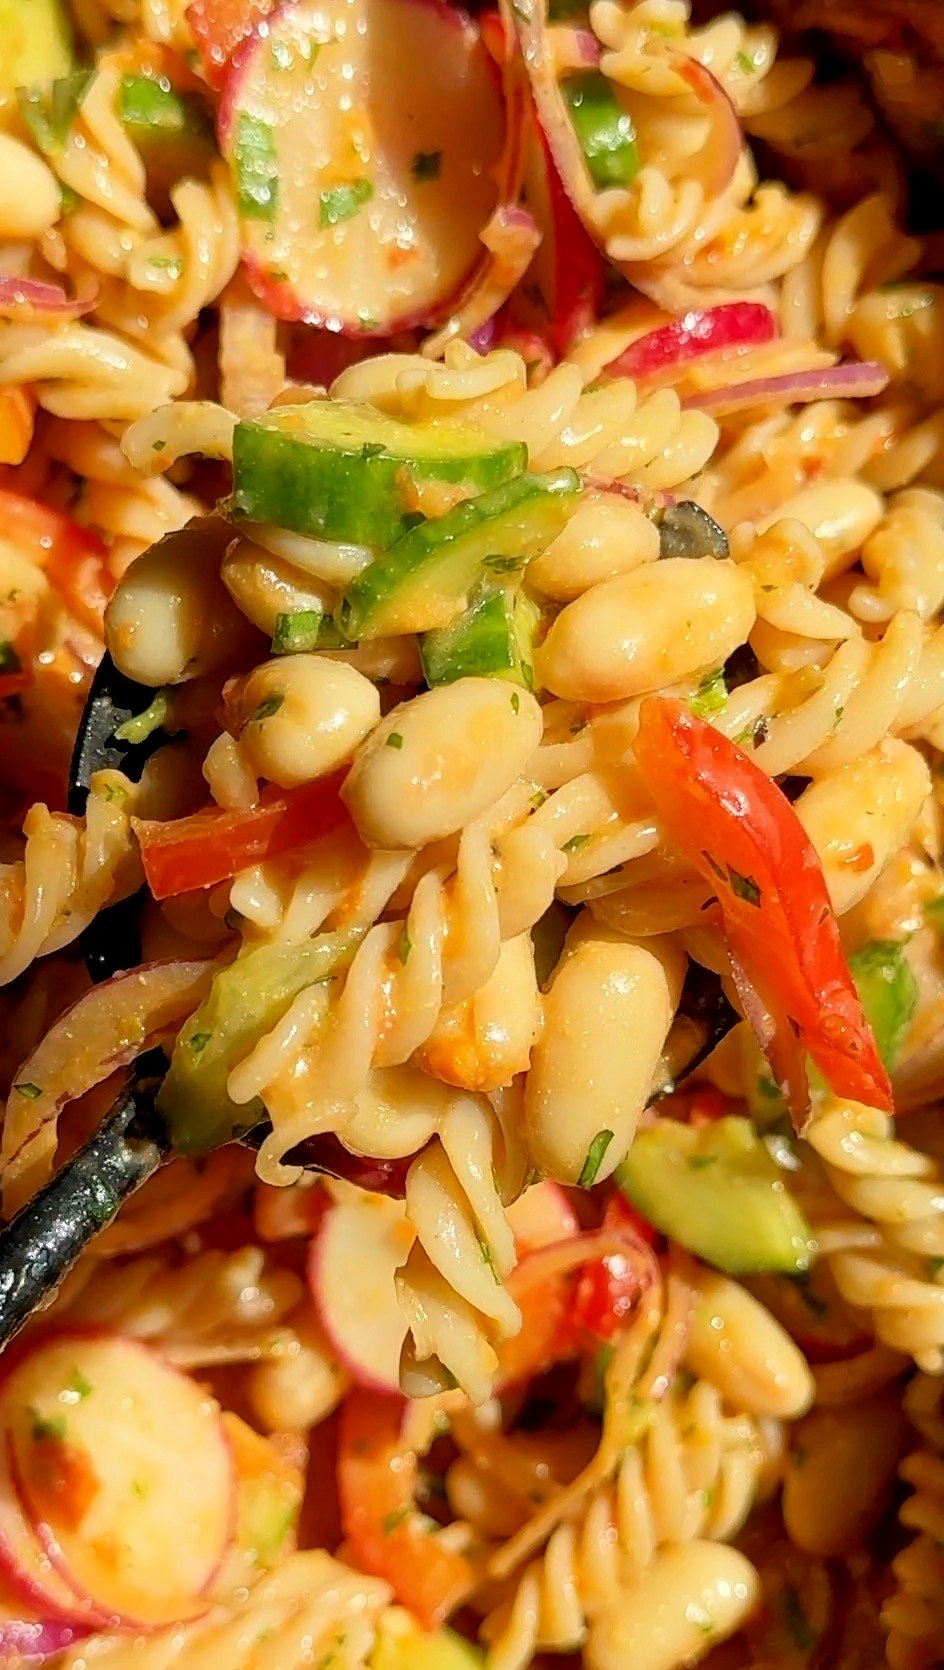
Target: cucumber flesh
37,43
304,630
716,1191
402,1645
424,581
338,470
493,638
244,1002
604,130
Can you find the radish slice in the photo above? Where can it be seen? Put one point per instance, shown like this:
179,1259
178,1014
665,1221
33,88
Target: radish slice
351,1268
33,1640
122,1464
364,138
542,1216
564,289
28,1571
659,353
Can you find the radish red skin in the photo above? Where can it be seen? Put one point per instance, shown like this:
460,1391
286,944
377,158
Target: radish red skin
708,331
33,1641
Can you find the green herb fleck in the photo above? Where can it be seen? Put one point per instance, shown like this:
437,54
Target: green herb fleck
390,1521
144,724
488,1256
256,168
68,199
405,946
744,887
797,1621
515,701
594,1160
158,446
425,166
9,660
80,1387
575,843
711,695
798,1456
394,740
745,64
265,710
46,1427
50,111
343,202
139,1489
198,1041
698,1162
578,726
538,798
935,1266
30,1091
171,264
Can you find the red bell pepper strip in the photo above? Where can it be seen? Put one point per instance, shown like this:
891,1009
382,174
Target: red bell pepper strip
389,1536
74,559
219,27
741,833
208,847
609,1289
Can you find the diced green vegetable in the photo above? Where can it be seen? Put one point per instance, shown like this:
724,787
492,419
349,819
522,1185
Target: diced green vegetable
716,1190
425,580
604,130
172,131
35,43
245,1001
267,1516
339,470
494,637
889,993
305,629
402,1645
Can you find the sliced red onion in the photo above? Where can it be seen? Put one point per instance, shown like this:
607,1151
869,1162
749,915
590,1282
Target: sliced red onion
510,240
856,380
36,1640
703,331
21,298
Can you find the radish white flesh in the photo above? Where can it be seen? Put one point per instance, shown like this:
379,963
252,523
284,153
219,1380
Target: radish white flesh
364,138
122,1464
541,1217
351,1270
25,1567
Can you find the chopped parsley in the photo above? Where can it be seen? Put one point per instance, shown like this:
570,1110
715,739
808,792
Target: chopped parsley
30,1091
744,887
394,740
488,1256
343,202
198,1041
256,168
390,1521
515,701
698,1162
265,710
745,64
426,165
45,1427
143,725
594,1159
405,946
575,843
710,696
171,264
50,111
79,1386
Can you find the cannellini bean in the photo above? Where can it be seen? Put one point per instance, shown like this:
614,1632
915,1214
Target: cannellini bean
300,716
841,513
171,618
859,815
859,1444
646,629
606,1017
29,200
439,761
734,1342
300,1383
484,1042
265,587
607,535
693,1596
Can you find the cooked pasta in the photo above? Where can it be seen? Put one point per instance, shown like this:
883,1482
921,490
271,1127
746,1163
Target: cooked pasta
502,460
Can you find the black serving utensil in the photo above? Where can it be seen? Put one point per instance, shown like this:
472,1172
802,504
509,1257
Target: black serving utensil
43,1242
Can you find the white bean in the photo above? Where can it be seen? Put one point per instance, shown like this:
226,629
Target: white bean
29,198
171,618
659,624
841,513
265,587
858,816
437,762
693,1596
859,1444
606,535
300,716
734,1342
606,1017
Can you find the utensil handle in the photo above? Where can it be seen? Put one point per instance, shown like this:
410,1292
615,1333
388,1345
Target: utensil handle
44,1240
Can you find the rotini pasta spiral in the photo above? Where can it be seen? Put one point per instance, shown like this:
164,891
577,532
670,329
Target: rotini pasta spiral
914,1615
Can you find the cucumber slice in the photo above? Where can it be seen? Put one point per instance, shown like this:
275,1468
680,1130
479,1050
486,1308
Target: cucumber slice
123,1467
425,580
244,1002
604,130
493,638
172,131
303,630
889,993
402,1645
716,1191
338,470
37,42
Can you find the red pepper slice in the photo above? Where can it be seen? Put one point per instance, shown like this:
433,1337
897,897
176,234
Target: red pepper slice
389,1536
73,557
609,1289
741,833
208,847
